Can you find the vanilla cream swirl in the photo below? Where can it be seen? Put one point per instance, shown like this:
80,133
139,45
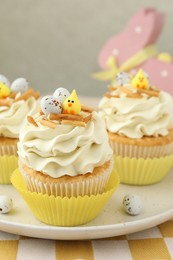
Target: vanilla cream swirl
138,117
66,149
12,118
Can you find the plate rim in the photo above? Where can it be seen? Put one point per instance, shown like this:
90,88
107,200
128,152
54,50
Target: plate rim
85,232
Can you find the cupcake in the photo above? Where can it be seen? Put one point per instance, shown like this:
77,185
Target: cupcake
16,101
139,122
65,156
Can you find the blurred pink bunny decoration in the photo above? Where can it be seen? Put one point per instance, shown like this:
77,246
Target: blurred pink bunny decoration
135,48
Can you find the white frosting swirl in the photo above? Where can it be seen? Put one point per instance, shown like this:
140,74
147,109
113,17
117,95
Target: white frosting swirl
138,117
66,149
12,118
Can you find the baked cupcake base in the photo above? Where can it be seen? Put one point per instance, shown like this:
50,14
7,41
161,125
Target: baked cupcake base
142,171
146,147
65,211
67,186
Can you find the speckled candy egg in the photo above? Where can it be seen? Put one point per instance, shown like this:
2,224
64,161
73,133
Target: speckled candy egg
61,94
6,204
50,104
4,80
132,204
123,78
20,85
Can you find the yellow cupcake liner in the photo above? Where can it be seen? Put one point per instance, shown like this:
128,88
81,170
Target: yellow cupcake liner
64,211
7,166
142,171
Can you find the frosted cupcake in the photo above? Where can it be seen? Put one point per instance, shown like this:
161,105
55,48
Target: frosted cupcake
16,101
64,153
139,121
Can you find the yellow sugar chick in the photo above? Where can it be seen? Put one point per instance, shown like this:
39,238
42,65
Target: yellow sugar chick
72,104
4,90
140,81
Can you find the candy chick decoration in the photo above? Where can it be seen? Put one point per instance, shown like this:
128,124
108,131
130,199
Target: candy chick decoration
72,104
140,80
20,85
50,104
61,94
4,90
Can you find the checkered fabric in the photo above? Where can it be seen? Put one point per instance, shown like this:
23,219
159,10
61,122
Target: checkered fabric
154,243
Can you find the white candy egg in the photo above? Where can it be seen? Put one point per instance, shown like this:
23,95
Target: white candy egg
4,80
123,78
6,204
132,204
61,94
50,104
20,85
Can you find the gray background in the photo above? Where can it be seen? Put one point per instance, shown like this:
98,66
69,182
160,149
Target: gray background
55,43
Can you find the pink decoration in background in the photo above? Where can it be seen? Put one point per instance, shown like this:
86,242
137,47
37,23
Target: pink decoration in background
142,30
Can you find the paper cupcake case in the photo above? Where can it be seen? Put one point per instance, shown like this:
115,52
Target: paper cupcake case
7,165
65,211
137,151
142,171
8,162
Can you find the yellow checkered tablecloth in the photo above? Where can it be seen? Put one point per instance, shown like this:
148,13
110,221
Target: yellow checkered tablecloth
151,244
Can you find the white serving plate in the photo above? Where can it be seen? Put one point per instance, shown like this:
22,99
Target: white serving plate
157,201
